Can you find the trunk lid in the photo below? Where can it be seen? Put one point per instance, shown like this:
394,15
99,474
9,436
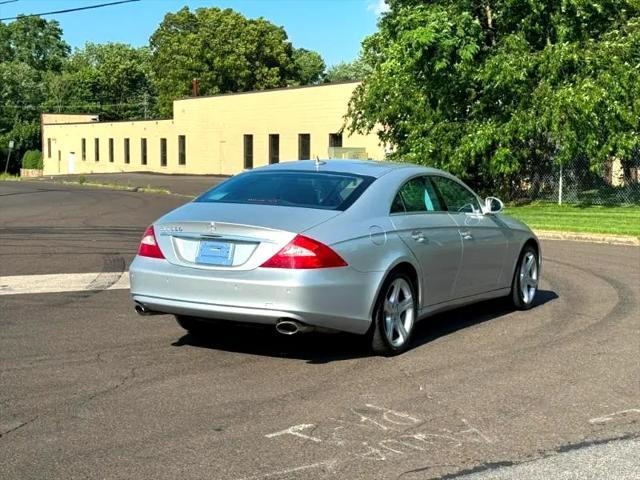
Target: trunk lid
224,236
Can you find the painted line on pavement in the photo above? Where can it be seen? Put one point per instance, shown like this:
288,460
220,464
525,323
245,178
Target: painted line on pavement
63,282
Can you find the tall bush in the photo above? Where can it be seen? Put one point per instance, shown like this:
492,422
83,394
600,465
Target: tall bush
32,159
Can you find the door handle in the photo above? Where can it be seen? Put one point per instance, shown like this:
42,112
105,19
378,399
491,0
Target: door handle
418,236
466,234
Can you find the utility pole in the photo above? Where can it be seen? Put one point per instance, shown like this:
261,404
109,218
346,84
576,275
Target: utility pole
6,165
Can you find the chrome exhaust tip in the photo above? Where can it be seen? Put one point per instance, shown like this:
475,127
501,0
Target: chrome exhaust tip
291,327
144,311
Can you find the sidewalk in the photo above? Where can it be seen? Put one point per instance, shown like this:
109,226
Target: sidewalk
189,185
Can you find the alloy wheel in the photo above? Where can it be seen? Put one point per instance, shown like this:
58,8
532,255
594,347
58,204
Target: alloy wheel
398,312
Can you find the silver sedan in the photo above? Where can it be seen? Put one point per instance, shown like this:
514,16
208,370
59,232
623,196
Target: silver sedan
362,247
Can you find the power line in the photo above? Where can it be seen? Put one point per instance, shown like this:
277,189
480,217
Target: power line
8,1
89,7
77,105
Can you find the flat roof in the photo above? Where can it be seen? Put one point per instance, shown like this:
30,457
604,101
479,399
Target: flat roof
267,90
105,122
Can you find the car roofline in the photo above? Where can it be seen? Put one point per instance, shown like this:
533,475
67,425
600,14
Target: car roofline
370,168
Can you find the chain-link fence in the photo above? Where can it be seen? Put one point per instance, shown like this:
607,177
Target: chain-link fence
617,183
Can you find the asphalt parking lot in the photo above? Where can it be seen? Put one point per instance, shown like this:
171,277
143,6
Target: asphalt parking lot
89,389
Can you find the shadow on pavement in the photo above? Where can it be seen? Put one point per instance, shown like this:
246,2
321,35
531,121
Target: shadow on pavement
318,348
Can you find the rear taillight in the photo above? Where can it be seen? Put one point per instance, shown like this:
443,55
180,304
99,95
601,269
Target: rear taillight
304,252
148,245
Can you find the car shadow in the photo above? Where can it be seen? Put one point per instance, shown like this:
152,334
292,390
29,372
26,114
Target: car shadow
320,348
446,323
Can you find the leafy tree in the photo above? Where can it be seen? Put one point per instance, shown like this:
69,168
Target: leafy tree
21,94
346,71
113,80
5,43
492,89
34,41
30,49
225,51
308,66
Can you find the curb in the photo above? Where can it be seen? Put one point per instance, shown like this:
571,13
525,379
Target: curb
588,237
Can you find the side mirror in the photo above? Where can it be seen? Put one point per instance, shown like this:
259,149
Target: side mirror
493,205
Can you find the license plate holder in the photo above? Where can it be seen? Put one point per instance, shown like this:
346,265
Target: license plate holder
211,252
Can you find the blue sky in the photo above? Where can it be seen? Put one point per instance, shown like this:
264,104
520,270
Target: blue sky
334,28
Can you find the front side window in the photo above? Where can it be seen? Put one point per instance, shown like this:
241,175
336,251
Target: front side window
456,196
417,195
326,190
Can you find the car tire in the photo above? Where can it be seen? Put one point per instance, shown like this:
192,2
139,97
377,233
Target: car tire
525,279
394,315
193,325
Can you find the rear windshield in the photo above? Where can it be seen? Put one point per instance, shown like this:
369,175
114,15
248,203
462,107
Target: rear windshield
324,190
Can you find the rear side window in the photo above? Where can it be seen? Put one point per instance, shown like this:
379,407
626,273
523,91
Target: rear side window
417,195
323,190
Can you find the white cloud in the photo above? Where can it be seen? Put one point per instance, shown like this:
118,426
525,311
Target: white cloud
378,7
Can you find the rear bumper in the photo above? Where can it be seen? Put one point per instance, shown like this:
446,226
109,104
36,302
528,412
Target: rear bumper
333,298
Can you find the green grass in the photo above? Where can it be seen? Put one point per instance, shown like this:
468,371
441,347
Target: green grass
115,186
8,177
579,218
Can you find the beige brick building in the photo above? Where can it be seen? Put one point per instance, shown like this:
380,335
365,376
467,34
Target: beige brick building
222,134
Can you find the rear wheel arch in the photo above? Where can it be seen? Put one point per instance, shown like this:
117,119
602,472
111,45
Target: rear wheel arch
391,329
411,272
405,267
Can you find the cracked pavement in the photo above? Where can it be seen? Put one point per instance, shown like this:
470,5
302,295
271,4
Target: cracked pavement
88,389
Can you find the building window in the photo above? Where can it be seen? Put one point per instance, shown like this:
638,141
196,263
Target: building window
248,151
304,146
111,150
96,148
163,152
335,140
143,151
48,148
127,156
83,149
182,150
274,148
